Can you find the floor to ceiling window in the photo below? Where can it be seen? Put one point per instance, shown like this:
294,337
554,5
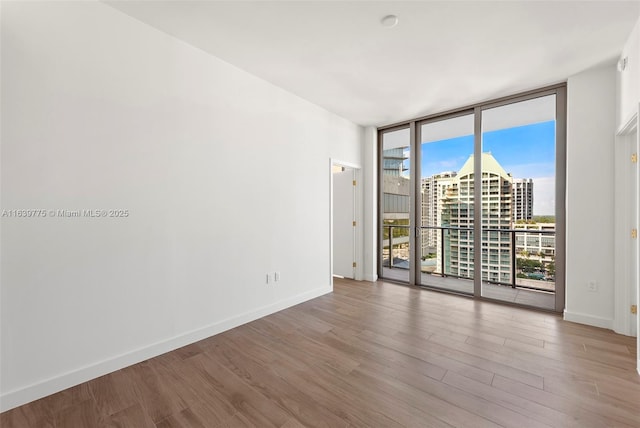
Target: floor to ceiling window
493,171
446,202
518,201
396,203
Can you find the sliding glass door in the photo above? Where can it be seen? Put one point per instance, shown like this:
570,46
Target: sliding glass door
473,201
446,203
518,202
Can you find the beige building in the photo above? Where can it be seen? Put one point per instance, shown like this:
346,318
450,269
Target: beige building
457,213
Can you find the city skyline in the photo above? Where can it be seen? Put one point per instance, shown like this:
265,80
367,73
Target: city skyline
535,141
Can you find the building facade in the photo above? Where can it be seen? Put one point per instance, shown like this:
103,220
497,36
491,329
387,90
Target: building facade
396,199
522,202
433,189
457,253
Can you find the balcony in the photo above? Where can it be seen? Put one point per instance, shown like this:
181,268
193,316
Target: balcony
525,275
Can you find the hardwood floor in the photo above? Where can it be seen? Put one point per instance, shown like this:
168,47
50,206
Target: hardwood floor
369,355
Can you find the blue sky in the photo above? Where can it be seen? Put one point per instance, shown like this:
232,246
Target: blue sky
524,151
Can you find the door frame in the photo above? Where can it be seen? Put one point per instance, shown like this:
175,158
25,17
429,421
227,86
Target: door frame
357,211
626,142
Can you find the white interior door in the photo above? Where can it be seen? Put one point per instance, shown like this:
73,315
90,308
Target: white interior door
634,283
343,223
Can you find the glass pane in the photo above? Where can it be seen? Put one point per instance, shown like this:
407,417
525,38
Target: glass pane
518,202
396,180
446,242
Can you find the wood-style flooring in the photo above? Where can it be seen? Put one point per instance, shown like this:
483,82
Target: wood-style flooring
369,355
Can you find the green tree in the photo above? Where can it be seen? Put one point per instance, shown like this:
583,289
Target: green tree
544,219
527,265
551,269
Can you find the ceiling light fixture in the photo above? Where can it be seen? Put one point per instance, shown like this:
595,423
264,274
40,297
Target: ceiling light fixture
389,21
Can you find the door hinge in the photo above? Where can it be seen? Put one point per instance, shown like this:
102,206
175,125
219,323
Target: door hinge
354,223
634,309
634,158
354,182
354,264
634,233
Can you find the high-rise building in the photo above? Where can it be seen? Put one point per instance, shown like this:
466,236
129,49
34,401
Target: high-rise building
457,212
433,189
393,161
395,186
396,207
522,201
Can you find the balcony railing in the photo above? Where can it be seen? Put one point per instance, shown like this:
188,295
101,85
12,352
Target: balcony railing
453,247
398,243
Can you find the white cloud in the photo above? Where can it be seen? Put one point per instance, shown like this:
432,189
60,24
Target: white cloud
529,170
544,196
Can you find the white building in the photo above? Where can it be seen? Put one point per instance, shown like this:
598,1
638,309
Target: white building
457,213
522,203
536,246
433,189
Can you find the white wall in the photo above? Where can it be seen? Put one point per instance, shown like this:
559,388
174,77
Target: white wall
224,176
370,162
628,81
591,118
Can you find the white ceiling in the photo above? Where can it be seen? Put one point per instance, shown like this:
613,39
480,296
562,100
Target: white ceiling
441,55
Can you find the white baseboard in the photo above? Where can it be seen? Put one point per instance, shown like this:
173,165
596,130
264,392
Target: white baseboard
371,278
588,320
638,366
18,397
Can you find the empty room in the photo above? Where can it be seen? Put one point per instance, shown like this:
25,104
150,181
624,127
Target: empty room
319,213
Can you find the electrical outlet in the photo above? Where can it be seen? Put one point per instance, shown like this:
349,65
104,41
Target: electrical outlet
268,278
592,286
276,276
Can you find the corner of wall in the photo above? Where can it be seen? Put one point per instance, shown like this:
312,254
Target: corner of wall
370,165
587,319
591,128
